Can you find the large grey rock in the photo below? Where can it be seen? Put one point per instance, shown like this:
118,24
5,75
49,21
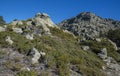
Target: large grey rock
25,68
29,22
36,55
8,39
30,36
44,21
2,29
98,40
85,48
103,54
17,30
20,23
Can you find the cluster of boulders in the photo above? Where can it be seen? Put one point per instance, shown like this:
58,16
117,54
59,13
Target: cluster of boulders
38,25
112,68
12,61
33,52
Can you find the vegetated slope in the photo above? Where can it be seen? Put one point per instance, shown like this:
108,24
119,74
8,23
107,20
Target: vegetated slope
63,54
37,47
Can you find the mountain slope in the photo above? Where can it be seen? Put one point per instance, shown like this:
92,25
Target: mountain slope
37,47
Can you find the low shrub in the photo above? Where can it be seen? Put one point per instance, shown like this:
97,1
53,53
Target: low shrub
27,73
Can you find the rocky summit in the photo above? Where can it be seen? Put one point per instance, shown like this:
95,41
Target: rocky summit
89,25
85,45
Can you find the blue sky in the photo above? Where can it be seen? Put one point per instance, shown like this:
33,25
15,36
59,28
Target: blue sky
58,9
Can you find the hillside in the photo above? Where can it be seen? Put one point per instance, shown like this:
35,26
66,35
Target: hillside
80,46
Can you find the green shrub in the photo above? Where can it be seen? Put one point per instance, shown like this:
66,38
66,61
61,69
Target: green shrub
114,35
27,73
60,33
9,28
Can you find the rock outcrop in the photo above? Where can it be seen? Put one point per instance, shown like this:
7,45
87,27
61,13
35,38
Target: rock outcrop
30,37
37,25
8,39
88,25
85,48
2,29
103,54
17,30
36,55
43,20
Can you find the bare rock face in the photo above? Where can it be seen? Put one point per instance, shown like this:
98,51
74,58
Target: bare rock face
40,24
43,19
88,25
37,25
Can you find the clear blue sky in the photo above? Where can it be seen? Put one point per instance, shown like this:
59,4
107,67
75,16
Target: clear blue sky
58,9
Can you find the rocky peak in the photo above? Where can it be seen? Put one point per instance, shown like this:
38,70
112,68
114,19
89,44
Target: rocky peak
88,25
41,15
43,19
37,25
86,15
